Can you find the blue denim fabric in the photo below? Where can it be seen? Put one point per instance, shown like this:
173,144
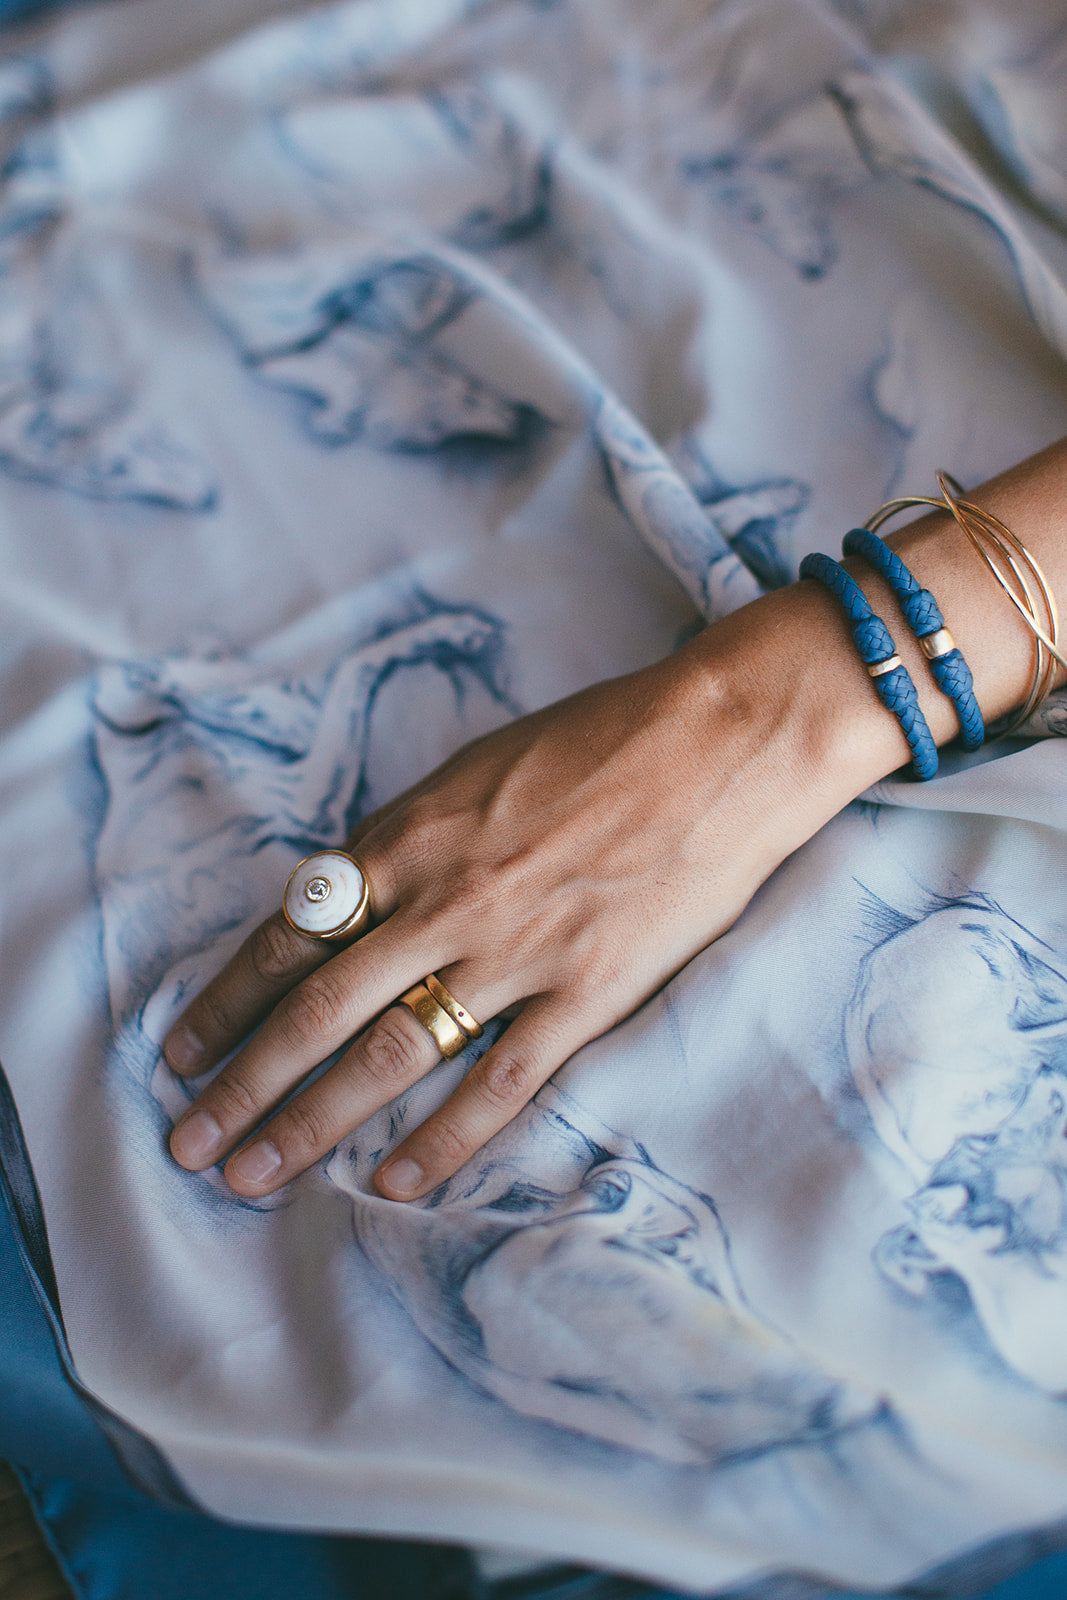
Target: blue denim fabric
1045,1581
113,1547
16,10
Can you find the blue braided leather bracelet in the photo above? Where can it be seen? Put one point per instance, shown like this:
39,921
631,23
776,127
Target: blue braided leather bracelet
875,644
923,615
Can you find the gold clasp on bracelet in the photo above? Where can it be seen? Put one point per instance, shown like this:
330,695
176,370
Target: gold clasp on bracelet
937,644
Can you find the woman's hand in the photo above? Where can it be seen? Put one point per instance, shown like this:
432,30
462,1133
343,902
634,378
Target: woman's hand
569,864
566,866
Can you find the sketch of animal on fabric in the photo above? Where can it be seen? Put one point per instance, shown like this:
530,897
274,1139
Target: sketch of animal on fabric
221,772
71,415
882,124
994,1215
590,1289
455,157
937,1062
27,146
362,334
783,182
755,518
666,512
966,1082
786,179
1026,97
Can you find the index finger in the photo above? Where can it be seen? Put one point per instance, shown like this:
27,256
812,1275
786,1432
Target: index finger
271,961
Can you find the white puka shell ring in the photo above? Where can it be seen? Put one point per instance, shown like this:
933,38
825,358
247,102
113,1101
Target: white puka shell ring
326,896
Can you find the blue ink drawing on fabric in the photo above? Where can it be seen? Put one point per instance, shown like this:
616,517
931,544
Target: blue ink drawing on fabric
968,1088
605,1301
358,334
72,414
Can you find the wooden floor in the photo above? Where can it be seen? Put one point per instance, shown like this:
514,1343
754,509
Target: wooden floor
28,1570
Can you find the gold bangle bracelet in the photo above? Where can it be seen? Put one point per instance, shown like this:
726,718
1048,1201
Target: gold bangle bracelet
995,543
1006,541
979,524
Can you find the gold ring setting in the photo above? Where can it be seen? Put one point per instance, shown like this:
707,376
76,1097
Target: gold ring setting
449,1024
326,896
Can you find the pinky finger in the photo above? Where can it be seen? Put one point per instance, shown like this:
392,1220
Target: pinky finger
494,1091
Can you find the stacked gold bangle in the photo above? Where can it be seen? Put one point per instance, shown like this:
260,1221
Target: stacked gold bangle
981,525
1014,568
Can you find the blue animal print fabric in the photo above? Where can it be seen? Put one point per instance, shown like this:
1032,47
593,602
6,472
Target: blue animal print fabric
371,374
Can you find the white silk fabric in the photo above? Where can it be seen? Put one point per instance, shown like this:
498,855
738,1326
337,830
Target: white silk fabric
371,374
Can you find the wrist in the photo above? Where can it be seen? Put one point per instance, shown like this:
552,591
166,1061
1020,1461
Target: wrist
785,670
784,676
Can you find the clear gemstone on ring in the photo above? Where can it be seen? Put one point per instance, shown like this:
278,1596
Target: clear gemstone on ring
318,888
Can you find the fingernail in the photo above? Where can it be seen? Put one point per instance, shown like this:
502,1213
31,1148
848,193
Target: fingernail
182,1048
402,1177
195,1141
257,1163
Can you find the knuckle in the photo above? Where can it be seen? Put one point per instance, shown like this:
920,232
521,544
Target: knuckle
414,833
514,953
235,1101
271,952
211,1015
593,970
472,886
451,1145
305,1129
509,1080
391,1056
316,1010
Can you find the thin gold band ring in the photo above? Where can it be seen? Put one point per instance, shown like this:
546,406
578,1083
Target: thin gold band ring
446,1033
448,1002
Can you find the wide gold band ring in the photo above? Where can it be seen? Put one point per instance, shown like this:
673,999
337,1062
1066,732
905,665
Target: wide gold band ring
459,1014
447,1034
327,897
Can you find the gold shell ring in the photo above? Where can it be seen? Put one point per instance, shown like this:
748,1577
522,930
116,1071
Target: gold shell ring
326,896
